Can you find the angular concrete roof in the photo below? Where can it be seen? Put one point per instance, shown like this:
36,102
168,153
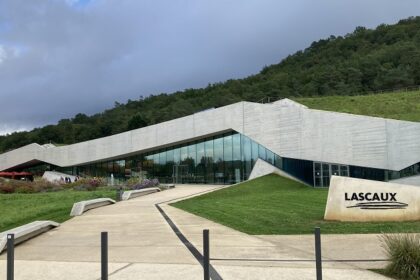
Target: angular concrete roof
285,127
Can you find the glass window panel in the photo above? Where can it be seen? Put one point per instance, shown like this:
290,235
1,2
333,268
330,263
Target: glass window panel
219,172
156,166
110,167
262,152
191,160
278,161
177,156
237,158
236,146
335,170
170,156
162,158
246,150
254,149
228,156
270,156
201,163
104,167
208,146
344,170
227,148
184,154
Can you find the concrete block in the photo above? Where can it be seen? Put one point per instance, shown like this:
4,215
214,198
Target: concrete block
80,207
351,199
136,193
26,232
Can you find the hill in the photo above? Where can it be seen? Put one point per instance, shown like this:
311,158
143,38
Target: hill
360,62
393,105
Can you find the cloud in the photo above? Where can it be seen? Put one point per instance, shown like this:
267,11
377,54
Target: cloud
62,57
3,54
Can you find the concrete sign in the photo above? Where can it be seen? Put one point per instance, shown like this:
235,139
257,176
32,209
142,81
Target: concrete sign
351,199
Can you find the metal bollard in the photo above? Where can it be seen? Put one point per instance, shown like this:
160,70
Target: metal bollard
318,258
119,194
10,256
206,254
104,255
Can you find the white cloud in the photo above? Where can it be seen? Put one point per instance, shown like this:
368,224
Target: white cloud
3,54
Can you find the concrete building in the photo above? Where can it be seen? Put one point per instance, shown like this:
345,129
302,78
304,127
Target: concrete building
221,146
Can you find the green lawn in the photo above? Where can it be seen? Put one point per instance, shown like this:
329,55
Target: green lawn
276,205
18,209
397,105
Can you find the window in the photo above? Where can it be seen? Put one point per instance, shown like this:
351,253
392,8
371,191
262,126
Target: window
209,161
219,168
247,157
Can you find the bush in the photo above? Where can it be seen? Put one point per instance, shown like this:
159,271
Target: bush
403,251
25,189
86,184
6,189
130,183
146,183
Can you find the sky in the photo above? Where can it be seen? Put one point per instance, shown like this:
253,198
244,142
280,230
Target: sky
63,57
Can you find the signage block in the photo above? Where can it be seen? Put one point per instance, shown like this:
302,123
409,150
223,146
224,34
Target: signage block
351,199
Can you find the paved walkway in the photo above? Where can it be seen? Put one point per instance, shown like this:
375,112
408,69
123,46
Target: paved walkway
143,246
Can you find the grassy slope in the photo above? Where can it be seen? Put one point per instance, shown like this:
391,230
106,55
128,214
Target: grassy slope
19,209
401,105
276,205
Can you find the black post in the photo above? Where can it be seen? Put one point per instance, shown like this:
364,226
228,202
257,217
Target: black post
104,255
206,254
318,259
10,256
119,194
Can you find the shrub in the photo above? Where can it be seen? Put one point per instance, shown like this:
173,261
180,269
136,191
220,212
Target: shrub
6,189
146,183
43,185
25,189
403,251
130,183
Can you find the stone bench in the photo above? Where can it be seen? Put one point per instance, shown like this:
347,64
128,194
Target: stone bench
167,186
136,193
80,207
26,232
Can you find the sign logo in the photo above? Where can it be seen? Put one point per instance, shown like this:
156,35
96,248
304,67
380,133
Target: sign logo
375,201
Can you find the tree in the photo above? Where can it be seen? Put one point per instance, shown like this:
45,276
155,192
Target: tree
137,121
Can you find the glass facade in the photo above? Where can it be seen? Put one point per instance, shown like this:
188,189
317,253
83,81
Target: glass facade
223,159
406,172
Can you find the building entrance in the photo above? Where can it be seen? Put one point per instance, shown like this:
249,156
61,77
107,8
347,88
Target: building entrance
323,172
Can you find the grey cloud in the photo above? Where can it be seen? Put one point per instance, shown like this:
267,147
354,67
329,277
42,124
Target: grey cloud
70,59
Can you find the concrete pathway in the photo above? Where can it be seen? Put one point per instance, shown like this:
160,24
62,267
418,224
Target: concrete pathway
241,256
143,246
139,239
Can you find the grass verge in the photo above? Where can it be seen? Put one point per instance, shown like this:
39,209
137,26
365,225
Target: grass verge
395,105
18,209
275,205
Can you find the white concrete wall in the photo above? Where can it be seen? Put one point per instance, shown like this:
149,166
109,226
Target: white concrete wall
55,177
262,168
285,127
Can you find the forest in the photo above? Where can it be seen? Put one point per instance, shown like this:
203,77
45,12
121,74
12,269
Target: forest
357,63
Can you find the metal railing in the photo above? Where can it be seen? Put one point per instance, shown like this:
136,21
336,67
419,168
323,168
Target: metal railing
205,257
